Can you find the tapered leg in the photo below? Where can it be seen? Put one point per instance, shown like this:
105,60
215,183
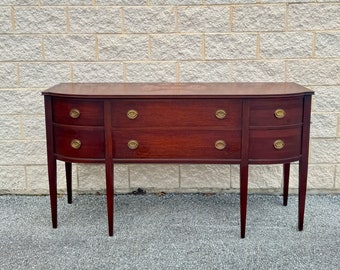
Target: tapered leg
243,197
68,169
51,161
286,170
303,170
52,180
303,164
109,195
109,164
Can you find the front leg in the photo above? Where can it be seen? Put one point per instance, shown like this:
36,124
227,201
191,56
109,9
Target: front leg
286,170
243,197
52,177
109,194
68,169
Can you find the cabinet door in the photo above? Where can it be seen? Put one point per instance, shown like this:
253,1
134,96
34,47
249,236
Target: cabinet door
79,142
275,144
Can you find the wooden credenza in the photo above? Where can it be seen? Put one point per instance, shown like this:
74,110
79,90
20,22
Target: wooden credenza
222,123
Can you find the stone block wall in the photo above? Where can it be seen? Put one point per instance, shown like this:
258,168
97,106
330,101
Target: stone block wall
45,42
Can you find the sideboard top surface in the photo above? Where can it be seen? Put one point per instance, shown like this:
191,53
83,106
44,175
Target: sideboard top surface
176,90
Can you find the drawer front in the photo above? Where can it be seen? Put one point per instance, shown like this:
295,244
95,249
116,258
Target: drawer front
176,112
173,144
79,142
275,144
276,112
78,112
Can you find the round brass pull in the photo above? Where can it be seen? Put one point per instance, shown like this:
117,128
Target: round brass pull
132,114
75,144
220,114
133,144
280,113
74,113
220,145
279,144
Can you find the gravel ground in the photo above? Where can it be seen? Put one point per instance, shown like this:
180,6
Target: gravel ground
175,231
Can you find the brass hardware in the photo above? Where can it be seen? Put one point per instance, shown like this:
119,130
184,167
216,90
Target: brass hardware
75,143
133,144
74,113
221,114
280,113
132,114
279,144
220,144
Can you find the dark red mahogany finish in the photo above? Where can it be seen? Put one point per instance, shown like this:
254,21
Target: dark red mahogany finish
222,123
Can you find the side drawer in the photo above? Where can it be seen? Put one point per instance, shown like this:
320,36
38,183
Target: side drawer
276,112
176,144
275,144
80,112
176,113
79,142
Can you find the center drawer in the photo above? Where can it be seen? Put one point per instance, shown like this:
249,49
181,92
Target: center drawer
176,113
144,143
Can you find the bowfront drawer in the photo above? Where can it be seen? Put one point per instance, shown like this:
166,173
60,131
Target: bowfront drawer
176,112
276,112
275,144
178,144
80,112
79,142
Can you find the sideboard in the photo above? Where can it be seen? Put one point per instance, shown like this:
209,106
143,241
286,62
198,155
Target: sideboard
217,123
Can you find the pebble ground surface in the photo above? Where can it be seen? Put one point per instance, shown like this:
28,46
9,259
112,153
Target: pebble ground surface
171,231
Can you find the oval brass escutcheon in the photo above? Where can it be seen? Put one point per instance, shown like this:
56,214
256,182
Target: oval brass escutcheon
133,144
132,114
220,144
75,144
279,144
280,113
74,113
220,114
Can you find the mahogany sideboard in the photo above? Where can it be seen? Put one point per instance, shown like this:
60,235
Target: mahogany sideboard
218,123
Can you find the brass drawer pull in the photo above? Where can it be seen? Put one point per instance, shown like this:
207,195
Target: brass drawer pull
75,144
220,144
280,113
220,114
132,114
279,144
74,113
133,144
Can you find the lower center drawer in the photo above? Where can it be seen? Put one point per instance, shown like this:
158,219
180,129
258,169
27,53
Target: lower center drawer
176,144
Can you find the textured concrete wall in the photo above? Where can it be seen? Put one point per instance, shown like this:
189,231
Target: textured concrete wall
44,42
